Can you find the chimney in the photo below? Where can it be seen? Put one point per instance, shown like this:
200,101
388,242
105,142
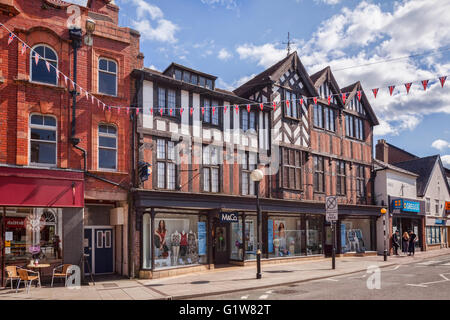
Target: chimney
382,151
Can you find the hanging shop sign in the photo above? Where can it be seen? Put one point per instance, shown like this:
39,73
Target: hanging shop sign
406,205
229,217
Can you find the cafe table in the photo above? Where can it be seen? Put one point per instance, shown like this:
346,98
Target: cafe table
38,267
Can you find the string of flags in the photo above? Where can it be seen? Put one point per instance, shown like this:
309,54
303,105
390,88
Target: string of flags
237,107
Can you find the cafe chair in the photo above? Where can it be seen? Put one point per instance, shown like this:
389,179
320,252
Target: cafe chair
11,274
61,272
28,276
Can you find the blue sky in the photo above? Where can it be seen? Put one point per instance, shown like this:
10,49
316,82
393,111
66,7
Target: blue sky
236,39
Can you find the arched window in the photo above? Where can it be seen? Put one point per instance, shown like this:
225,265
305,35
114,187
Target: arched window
107,147
43,143
39,72
107,77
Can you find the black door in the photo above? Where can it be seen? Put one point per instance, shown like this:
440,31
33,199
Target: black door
221,245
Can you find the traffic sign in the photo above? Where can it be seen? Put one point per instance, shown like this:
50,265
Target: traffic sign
331,207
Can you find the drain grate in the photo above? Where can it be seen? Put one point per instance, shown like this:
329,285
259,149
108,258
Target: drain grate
110,285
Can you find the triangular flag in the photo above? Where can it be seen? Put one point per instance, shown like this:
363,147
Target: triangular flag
274,106
315,100
92,99
287,104
425,84
191,111
171,110
24,48
128,110
359,95
248,108
137,111
118,110
261,105
203,111
408,86
151,110
225,109
81,91
301,101
181,111
236,107
65,80
10,39
329,100
104,105
214,110
344,96
36,57
391,89
87,95
57,74
442,79
375,91
47,65
160,111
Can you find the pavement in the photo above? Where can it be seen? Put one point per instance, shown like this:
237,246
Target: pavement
216,282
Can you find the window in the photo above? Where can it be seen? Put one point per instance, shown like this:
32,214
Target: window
194,79
436,206
215,114
201,81
167,101
319,174
107,77
186,76
248,165
42,139
340,178
39,72
292,169
433,235
356,105
360,181
211,168
248,120
354,127
107,147
324,117
178,74
428,205
209,116
291,108
166,169
209,84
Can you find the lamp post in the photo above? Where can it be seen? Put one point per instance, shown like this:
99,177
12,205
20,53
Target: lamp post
383,212
257,175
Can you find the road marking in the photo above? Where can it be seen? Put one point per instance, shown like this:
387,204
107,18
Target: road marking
425,284
244,297
329,279
264,296
395,268
446,264
427,263
270,291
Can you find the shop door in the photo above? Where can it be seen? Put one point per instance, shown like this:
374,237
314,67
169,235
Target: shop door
104,251
221,243
328,247
88,250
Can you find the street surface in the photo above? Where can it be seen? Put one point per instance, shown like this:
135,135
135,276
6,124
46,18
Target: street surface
426,279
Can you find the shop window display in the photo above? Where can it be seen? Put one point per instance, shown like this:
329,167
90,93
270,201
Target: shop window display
33,234
355,235
237,243
179,240
284,237
314,227
250,237
146,242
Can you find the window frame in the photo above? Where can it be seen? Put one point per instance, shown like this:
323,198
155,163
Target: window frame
325,120
246,169
208,110
357,131
32,62
108,72
287,167
248,122
319,173
289,115
166,161
99,134
166,112
341,178
30,126
209,166
360,181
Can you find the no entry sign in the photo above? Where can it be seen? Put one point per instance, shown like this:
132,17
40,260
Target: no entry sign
331,207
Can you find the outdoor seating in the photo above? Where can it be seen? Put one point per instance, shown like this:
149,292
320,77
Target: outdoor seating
11,274
61,272
27,276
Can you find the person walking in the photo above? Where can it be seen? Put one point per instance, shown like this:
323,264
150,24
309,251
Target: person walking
405,241
395,242
412,243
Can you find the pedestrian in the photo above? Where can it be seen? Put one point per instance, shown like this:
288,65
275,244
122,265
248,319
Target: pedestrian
395,242
412,243
405,240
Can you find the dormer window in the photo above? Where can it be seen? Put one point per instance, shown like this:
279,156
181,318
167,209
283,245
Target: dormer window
178,74
209,84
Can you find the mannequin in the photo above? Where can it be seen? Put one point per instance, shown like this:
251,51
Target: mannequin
183,244
175,240
192,248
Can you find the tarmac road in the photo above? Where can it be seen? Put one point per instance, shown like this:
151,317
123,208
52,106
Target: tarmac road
421,280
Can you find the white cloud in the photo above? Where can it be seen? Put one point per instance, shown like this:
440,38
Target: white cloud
331,2
224,54
229,4
440,144
446,160
367,34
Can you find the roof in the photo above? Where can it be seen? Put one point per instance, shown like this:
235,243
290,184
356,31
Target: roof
385,165
351,90
173,64
402,150
424,168
317,78
270,75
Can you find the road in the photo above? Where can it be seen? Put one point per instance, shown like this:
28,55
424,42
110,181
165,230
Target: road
422,280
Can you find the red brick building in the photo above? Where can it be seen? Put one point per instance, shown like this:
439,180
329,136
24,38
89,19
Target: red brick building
85,168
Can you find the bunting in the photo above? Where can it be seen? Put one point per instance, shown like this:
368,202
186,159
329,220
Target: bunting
408,86
375,91
391,89
329,100
248,108
11,38
359,95
315,100
425,84
442,80
344,96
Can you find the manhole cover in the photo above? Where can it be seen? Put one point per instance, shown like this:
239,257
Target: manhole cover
285,291
279,271
110,285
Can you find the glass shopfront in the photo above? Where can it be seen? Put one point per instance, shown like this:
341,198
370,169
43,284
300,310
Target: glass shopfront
406,225
237,243
356,235
178,240
32,234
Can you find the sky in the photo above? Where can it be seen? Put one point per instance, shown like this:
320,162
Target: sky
237,39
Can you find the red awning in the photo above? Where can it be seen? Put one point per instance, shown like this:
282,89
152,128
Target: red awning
25,187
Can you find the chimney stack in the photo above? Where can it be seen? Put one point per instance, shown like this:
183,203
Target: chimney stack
382,151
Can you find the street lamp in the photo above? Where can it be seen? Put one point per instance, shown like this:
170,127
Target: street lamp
257,175
383,212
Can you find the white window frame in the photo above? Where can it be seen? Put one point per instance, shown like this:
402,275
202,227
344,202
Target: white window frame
97,246
32,61
98,76
30,126
108,135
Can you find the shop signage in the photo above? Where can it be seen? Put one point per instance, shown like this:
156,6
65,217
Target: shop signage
406,205
439,221
331,207
228,217
447,207
15,223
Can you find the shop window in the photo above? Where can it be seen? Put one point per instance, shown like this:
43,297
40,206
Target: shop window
107,147
250,237
39,72
211,168
237,243
340,178
248,165
319,174
179,240
356,235
146,242
314,227
285,237
433,235
107,77
292,169
32,233
43,143
166,167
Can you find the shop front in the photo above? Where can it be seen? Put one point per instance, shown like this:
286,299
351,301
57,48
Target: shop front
357,234
437,232
408,215
41,214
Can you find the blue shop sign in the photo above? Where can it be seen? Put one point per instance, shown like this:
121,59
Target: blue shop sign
406,205
441,222
229,217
